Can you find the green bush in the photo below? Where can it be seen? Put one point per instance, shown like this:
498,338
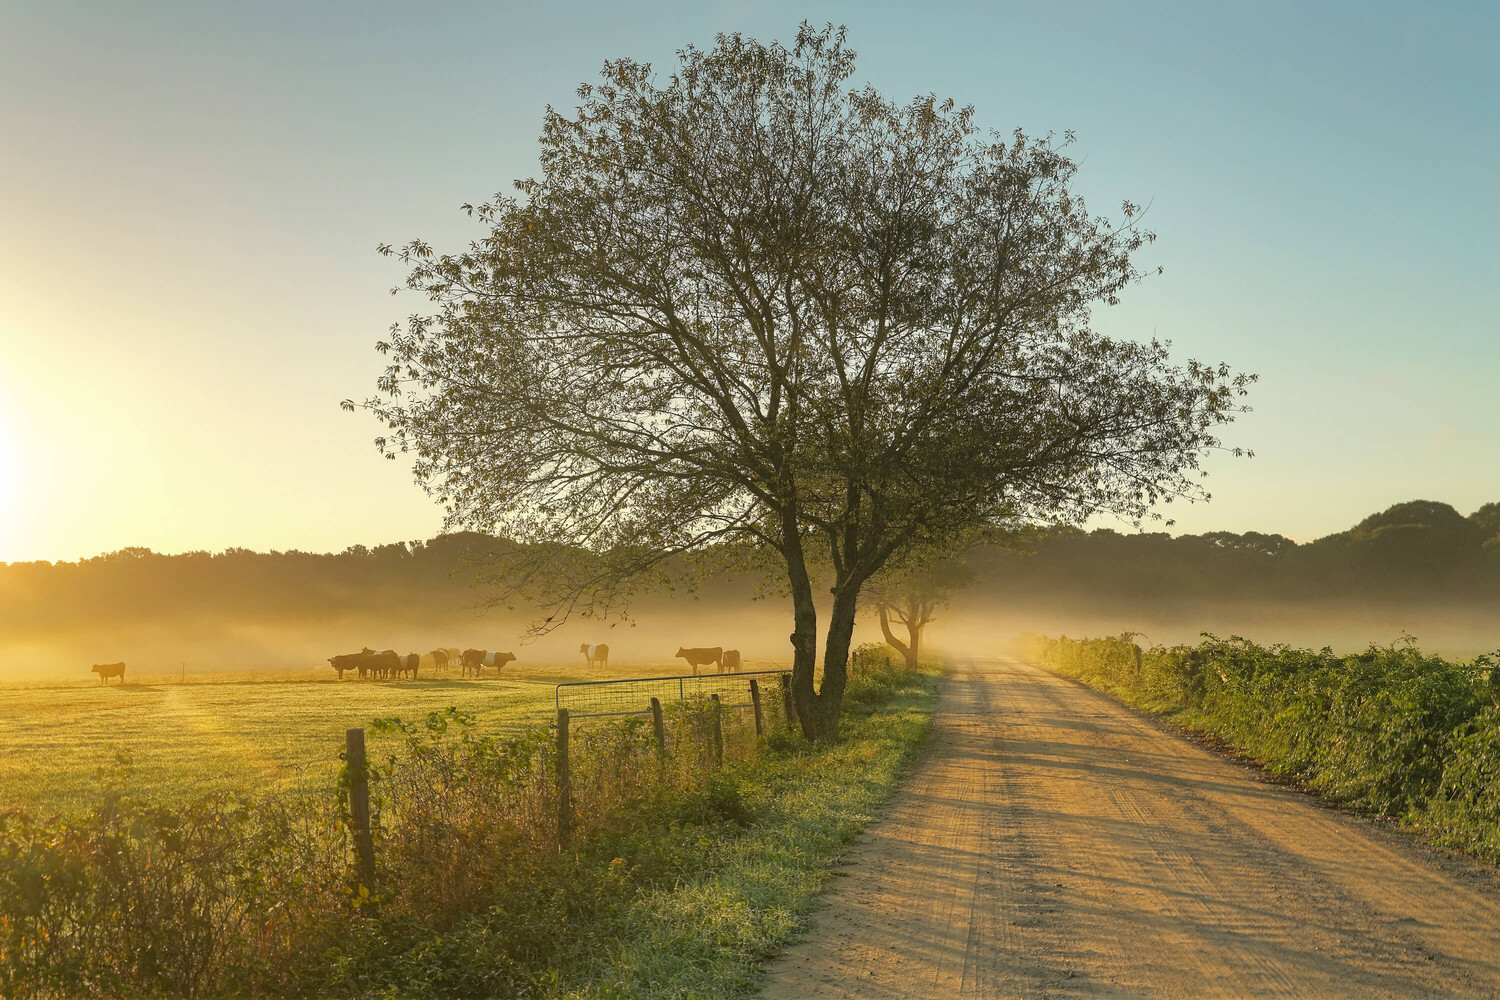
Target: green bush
1465,811
1391,730
875,676
138,899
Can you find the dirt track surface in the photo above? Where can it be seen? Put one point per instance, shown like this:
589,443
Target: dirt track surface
1055,844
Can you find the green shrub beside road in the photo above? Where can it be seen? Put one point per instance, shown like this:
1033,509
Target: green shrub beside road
1389,730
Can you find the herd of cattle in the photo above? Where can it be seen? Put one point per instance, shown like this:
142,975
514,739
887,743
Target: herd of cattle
388,665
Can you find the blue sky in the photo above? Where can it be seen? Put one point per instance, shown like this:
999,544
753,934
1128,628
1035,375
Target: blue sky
191,195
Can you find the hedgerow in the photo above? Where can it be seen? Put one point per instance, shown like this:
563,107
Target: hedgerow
1390,730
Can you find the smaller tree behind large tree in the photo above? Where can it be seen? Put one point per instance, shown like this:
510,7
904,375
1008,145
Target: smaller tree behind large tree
909,595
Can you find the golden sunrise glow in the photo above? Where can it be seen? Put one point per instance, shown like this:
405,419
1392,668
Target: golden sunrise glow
10,473
11,517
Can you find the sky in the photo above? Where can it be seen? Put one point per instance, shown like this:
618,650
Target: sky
191,195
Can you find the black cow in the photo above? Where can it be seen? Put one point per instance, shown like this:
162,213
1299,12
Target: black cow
108,670
382,664
347,661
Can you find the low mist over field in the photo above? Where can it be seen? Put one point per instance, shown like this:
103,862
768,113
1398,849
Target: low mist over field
972,627
239,611
1421,569
229,644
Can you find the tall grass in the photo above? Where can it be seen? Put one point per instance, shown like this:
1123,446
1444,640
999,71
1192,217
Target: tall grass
1390,730
679,875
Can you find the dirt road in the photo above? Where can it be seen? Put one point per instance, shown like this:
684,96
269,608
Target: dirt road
1054,844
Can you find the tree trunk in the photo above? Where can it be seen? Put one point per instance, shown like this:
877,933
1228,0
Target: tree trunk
908,652
830,701
914,650
804,635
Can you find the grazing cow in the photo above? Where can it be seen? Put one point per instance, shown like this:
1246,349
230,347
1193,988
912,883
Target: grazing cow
363,664
382,664
598,656
731,662
408,664
106,670
702,656
347,661
475,660
439,659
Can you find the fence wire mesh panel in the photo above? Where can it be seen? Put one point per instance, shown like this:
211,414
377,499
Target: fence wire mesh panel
632,696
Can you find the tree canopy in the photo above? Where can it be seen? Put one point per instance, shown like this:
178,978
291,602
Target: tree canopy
746,302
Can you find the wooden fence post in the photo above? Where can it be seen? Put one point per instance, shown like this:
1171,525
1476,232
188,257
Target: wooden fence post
359,805
564,782
760,726
656,724
787,705
718,713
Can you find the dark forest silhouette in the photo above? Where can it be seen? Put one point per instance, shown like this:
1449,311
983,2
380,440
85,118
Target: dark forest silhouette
1420,550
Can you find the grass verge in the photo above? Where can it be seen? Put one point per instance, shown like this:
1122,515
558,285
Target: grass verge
705,936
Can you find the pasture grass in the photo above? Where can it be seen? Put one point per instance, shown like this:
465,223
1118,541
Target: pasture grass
241,731
680,878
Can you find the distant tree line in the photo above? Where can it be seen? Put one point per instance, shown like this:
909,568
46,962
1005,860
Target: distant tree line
1415,551
1420,550
138,584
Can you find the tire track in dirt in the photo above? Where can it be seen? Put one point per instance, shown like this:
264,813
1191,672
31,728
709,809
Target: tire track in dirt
1055,844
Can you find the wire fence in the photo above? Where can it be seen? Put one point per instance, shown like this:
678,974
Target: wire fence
632,696
190,772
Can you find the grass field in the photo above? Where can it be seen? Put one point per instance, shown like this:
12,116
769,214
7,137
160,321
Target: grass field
683,871
186,737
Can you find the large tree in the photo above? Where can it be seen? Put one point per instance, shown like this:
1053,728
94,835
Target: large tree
745,303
